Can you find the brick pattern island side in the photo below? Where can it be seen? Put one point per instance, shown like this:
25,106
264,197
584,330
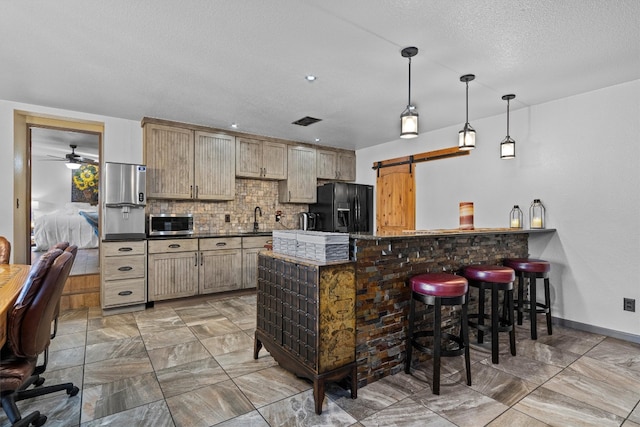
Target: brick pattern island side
384,263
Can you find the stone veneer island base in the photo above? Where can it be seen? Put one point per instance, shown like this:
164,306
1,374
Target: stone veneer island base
384,263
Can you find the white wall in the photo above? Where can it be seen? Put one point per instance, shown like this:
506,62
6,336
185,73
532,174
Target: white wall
580,155
50,185
122,142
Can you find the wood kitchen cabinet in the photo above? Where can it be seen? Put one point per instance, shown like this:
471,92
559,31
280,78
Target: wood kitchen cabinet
220,264
301,182
251,247
173,268
306,319
185,267
256,158
336,165
124,272
187,164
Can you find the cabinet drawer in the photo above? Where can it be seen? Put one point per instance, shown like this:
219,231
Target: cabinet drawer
124,292
130,267
220,243
123,248
172,245
256,242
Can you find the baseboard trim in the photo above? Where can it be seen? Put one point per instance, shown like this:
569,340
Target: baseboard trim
597,330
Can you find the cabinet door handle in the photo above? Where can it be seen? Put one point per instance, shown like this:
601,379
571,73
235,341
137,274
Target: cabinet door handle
191,191
125,293
201,258
196,264
196,191
220,244
125,268
174,246
125,249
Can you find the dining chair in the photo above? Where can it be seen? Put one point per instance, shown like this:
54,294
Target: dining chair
29,335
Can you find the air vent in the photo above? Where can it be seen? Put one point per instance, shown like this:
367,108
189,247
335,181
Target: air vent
306,121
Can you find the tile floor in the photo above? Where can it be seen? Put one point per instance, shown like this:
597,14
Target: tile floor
190,363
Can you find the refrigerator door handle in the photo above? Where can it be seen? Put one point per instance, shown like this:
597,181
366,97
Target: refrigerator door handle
356,202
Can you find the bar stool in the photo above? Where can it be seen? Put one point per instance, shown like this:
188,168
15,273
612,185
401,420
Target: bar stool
532,269
496,279
437,290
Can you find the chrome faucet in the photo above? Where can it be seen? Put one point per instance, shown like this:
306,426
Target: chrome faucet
255,217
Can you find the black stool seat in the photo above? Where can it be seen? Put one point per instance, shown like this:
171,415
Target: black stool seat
438,289
494,278
532,269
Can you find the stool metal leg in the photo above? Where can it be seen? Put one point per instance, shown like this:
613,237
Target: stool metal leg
495,322
509,319
520,296
533,306
464,331
437,343
547,303
480,314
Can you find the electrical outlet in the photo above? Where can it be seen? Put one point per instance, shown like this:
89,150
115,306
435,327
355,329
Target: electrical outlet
227,218
629,304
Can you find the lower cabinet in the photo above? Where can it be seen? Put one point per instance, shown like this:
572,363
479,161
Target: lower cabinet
220,265
123,274
251,247
306,319
186,267
173,268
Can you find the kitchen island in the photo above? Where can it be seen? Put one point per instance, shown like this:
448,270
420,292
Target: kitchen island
384,263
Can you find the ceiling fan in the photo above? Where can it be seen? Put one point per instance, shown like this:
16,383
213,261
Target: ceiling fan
73,160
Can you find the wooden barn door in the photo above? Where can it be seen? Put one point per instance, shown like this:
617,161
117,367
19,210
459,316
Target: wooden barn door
395,200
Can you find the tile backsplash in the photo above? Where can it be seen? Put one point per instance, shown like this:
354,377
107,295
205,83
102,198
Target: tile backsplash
209,216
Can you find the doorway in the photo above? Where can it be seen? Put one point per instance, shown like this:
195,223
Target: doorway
24,124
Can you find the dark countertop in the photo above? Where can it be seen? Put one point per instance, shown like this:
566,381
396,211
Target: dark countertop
198,236
450,232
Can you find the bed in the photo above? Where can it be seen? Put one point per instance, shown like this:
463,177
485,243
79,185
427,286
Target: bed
71,224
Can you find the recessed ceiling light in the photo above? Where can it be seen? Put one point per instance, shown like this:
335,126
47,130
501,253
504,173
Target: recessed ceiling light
234,125
317,139
310,78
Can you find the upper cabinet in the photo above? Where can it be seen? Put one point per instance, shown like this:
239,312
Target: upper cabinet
260,159
169,159
301,182
336,165
188,164
215,171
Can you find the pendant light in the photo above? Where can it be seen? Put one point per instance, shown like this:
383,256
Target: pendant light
467,136
508,145
409,117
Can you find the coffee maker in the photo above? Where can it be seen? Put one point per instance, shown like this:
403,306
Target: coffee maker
307,221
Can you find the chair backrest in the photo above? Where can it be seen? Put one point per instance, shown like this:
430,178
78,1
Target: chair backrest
29,321
5,250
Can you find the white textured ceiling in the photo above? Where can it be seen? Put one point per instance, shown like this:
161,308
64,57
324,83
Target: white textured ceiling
214,62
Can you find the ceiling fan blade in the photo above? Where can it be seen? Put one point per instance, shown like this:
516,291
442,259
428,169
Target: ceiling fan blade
55,159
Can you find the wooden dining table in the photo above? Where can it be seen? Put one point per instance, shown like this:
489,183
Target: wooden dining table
12,279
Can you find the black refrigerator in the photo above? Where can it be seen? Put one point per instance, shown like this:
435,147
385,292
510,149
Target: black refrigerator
343,207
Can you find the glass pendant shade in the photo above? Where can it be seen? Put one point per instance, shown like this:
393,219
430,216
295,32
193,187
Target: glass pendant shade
467,138
409,123
507,148
73,165
508,145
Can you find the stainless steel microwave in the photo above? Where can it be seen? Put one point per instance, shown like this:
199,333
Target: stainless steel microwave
170,224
